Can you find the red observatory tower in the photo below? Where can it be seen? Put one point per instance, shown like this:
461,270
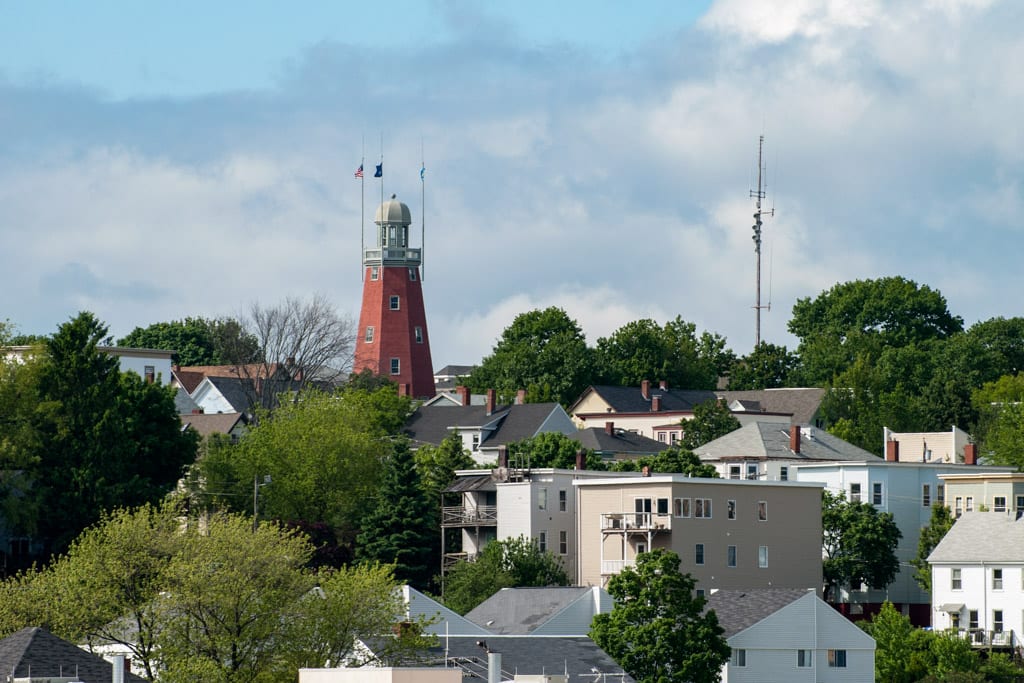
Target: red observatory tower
392,336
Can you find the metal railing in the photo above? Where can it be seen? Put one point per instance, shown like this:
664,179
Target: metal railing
635,521
609,567
983,638
458,515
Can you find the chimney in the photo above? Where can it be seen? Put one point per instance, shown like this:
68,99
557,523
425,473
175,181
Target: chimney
892,451
520,397
971,454
794,438
655,404
645,389
491,398
663,384
609,428
502,456
493,667
463,394
581,462
118,668
403,389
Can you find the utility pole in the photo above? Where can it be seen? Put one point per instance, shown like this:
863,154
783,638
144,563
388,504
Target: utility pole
759,195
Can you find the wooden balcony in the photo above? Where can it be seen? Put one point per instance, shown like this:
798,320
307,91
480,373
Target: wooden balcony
459,516
612,567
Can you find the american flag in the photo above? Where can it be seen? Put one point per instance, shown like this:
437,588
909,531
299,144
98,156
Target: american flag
359,171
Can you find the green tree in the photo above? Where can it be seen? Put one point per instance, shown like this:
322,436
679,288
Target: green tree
509,563
864,317
768,366
437,465
859,544
543,352
554,449
673,460
103,439
941,521
710,420
401,528
674,352
657,631
197,341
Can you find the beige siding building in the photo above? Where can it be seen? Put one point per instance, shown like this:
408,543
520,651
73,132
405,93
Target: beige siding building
984,491
728,534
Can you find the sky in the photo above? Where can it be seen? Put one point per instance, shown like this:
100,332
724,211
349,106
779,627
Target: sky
162,160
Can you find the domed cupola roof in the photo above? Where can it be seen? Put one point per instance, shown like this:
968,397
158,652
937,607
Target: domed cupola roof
393,211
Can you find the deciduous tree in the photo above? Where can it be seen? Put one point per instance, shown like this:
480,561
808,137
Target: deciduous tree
859,544
673,460
657,631
941,521
710,420
554,449
768,366
197,341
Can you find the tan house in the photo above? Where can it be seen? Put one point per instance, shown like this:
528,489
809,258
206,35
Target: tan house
984,491
729,534
947,447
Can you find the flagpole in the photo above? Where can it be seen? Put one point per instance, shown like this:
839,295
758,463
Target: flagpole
362,214
382,168
423,212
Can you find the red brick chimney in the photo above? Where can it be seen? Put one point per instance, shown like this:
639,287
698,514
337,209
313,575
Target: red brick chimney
520,397
581,462
502,456
892,451
663,384
492,397
645,389
403,389
463,394
609,428
971,454
794,438
655,404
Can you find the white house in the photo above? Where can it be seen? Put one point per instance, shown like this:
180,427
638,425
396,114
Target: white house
790,635
978,578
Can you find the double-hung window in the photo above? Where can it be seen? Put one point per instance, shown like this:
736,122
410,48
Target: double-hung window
837,659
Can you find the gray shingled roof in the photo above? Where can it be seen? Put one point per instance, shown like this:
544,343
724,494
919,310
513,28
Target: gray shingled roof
205,424
801,403
631,400
518,611
622,441
738,610
39,652
526,655
982,536
431,424
766,440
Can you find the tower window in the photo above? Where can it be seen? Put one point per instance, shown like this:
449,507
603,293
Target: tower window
369,334
374,272
412,275
418,332
394,302
396,366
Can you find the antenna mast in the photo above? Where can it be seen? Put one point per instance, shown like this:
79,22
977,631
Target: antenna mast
759,195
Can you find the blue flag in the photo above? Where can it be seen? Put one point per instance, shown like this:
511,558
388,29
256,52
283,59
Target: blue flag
379,173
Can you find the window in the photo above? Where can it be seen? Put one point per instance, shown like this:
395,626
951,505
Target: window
374,272
762,510
418,334
702,508
682,507
542,541
762,556
837,659
972,620
734,471
396,366
997,620
958,506
542,499
476,442
661,437
700,592
738,657
954,620
563,500
563,542
412,275
751,470
804,658
368,338
698,553
149,372
956,581
784,476
677,507
969,504
876,493
999,504
642,507
641,548
926,495
730,556
1020,502
997,579
394,302
730,509
675,437
662,506
854,493
940,494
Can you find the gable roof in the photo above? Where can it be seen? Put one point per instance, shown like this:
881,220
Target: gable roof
982,537
767,440
738,610
38,652
631,399
579,657
445,620
801,402
505,424
239,393
519,611
205,424
622,441
183,403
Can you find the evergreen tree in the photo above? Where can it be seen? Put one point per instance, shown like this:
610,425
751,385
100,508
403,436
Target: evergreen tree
399,529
